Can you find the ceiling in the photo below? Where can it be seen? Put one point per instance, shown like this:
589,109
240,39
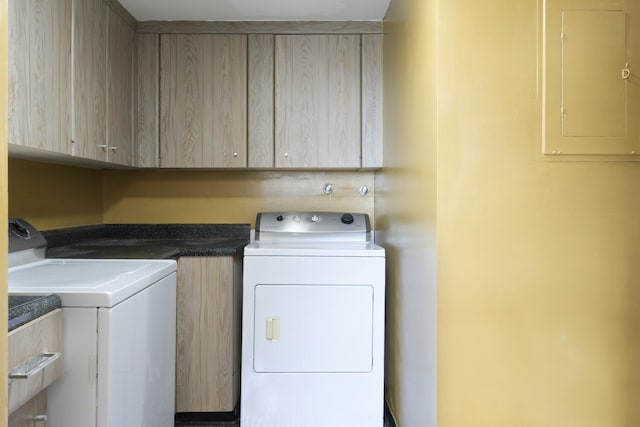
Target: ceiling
257,10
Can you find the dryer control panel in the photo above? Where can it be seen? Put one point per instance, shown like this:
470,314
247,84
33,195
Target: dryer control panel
310,223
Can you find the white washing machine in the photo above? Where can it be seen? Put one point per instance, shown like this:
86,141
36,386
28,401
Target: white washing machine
313,322
118,333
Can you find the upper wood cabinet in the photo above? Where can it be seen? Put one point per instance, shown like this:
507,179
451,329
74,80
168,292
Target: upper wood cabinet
315,101
120,92
89,79
371,100
203,100
71,76
39,96
147,91
260,113
84,84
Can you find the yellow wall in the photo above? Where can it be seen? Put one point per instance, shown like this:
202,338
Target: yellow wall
54,196
3,208
227,197
537,261
538,273
405,210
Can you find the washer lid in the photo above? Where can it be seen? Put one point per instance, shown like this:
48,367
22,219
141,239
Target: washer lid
88,283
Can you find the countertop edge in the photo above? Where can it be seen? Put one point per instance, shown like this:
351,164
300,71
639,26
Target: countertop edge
24,309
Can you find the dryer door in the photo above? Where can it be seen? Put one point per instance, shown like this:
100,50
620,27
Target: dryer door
313,328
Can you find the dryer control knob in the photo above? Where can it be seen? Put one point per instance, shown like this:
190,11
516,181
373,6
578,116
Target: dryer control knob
297,218
315,218
347,219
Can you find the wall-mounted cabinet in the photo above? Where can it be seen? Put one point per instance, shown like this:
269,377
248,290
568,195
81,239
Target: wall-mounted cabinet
203,101
258,100
120,90
89,79
315,101
71,80
260,106
201,95
39,96
148,100
591,94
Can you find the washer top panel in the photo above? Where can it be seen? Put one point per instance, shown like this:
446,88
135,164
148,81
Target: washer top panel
87,283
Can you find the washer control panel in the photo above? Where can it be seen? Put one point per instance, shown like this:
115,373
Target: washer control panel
23,235
312,222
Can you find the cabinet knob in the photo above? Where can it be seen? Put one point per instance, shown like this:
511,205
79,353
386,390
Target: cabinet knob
235,154
39,418
286,154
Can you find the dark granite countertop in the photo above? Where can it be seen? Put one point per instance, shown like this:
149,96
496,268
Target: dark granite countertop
147,241
23,309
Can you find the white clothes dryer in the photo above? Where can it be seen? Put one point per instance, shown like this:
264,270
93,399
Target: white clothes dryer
313,322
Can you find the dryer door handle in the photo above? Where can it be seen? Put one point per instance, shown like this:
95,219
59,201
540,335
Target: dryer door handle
273,328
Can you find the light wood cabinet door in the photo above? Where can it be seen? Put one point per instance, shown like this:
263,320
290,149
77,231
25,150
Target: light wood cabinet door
89,79
31,413
39,98
35,347
120,95
148,84
371,100
208,332
260,109
203,100
317,101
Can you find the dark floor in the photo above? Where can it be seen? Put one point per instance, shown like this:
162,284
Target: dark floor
211,424
231,420
237,424
227,419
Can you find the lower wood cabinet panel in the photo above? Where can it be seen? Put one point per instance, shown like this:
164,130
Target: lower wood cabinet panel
209,302
32,413
36,341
